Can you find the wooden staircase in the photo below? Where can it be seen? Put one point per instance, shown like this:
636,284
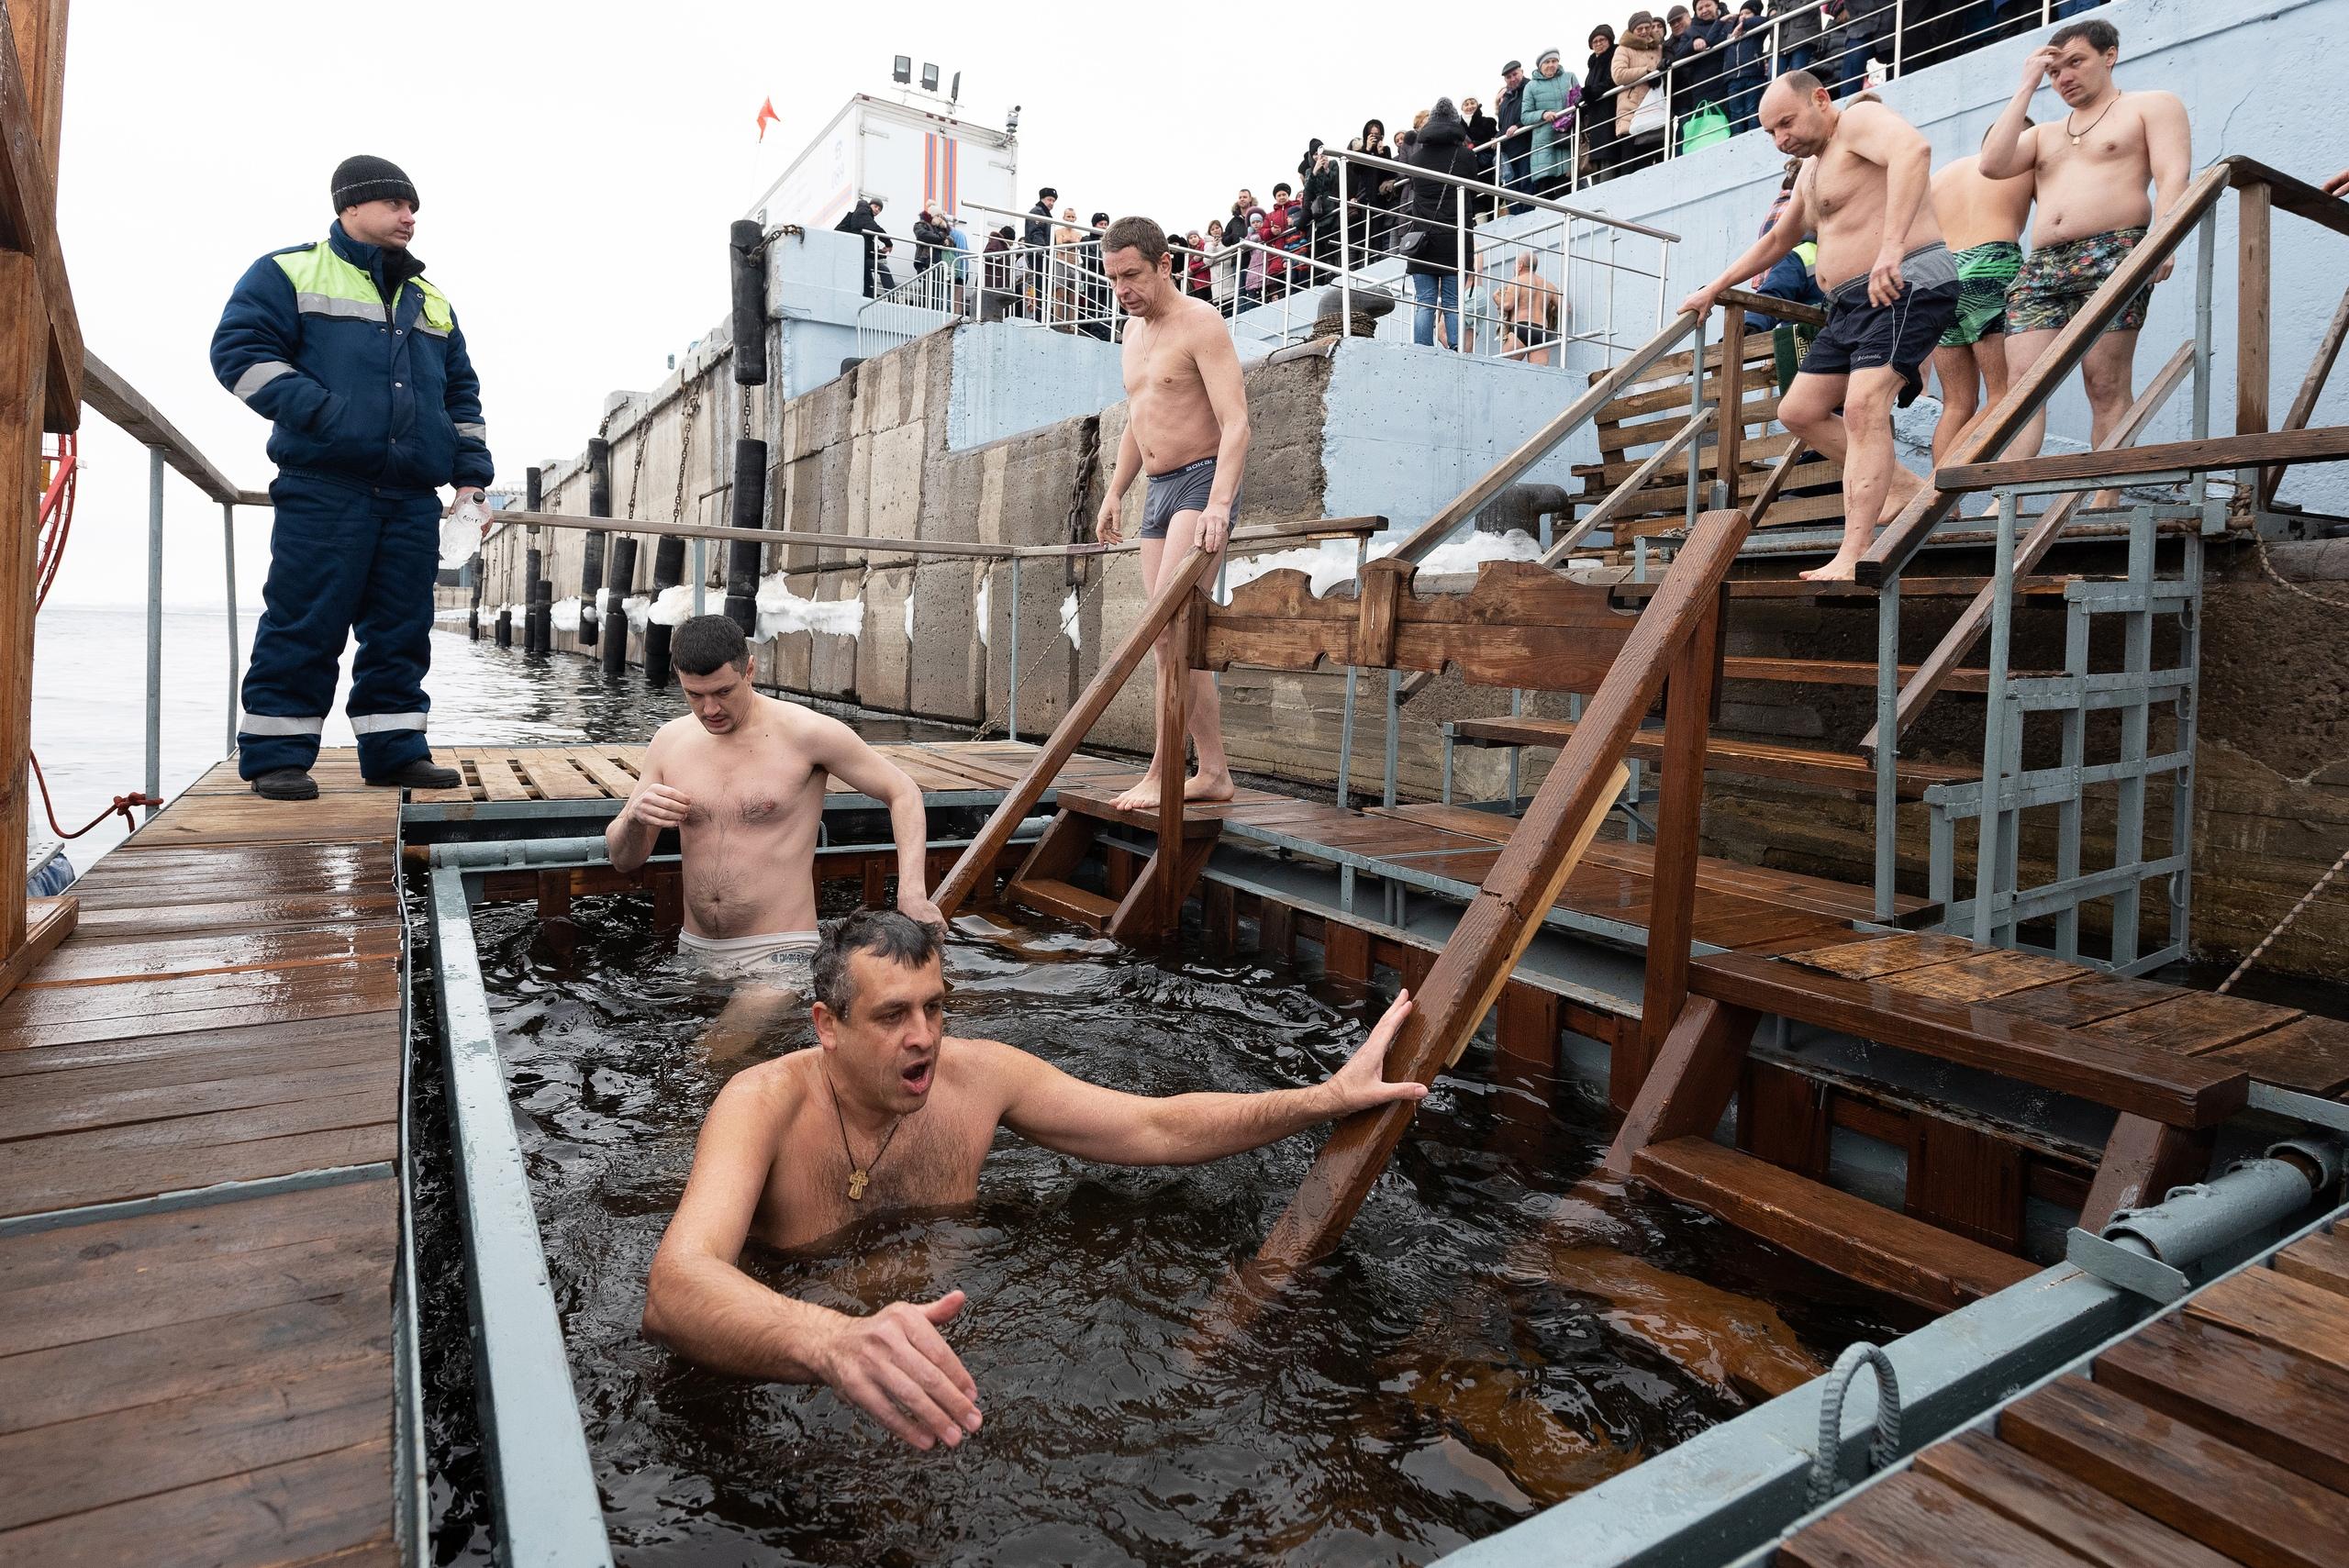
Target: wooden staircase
1043,882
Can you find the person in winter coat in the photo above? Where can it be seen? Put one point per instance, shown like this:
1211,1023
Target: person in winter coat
1223,269
1547,106
1639,106
358,365
994,273
1515,154
1597,109
1799,26
931,241
1857,30
1317,201
1433,240
1379,191
1255,274
1694,58
865,217
1746,66
1482,129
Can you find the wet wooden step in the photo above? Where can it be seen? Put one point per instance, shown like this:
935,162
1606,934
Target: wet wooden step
1065,900
2138,1080
1846,1235
1200,820
1842,770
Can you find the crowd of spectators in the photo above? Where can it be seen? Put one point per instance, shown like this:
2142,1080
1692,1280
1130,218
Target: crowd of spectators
1680,79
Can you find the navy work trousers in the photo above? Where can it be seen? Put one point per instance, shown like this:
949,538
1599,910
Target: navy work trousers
343,558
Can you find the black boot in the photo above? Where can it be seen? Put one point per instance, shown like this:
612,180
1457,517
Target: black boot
286,783
422,774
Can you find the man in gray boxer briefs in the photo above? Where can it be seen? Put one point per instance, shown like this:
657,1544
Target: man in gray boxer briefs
1187,426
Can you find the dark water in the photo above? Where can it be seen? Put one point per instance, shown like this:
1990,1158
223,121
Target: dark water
1490,1338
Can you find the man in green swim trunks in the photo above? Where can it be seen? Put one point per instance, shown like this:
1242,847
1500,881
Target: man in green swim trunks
2093,168
1982,219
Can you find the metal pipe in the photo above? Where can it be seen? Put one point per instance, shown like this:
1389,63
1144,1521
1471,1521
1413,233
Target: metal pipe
1986,873
228,559
2193,1222
1345,256
155,628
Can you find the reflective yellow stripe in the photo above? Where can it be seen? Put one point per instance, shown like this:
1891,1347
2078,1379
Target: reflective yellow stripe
326,285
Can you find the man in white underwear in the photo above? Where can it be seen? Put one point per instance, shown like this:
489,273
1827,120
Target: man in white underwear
741,779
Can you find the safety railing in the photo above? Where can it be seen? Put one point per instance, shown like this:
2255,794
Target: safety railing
121,404
1058,285
1703,96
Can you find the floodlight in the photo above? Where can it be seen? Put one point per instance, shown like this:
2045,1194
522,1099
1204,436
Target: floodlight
904,69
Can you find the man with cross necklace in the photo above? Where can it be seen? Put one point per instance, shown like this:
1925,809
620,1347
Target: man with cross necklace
911,1112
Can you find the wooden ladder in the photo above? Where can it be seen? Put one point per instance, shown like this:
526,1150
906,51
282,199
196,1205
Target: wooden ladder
1163,883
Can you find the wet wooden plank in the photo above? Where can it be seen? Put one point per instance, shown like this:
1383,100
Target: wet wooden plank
312,991
1888,955
2052,1504
1982,976
122,921
1913,1519
2130,1078
115,1164
25,1056
327,1506
2278,1310
605,766
75,1466
331,994
2233,1502
2310,1054
2192,1022
2283,1407
2320,1259
185,1083
106,963
2083,1001
550,769
498,775
1966,1181
1848,1234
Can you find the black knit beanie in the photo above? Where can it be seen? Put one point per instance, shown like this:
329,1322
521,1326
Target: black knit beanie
365,179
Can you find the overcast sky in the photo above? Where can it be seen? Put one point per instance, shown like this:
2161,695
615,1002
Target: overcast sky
579,163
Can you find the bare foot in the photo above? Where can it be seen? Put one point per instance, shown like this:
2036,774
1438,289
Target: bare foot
1143,796
1843,569
1211,787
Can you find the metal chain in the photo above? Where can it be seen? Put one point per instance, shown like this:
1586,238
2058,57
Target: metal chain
636,470
684,451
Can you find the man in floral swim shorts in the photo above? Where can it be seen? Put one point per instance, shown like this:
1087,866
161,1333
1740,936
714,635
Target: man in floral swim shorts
2093,168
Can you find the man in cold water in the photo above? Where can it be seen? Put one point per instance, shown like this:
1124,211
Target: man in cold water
741,779
890,1111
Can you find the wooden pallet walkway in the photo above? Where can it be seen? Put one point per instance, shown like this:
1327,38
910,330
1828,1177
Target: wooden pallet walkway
209,1382
2218,1433
209,1378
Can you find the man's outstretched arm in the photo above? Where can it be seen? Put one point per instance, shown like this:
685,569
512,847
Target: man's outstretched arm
1094,1123
893,1364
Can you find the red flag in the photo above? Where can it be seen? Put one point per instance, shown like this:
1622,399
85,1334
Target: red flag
767,116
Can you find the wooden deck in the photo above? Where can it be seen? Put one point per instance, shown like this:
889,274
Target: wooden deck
202,1369
2216,1434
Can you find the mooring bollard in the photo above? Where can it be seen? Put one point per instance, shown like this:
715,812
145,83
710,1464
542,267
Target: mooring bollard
615,643
591,570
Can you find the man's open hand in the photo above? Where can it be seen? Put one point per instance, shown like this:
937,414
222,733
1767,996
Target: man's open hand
1215,525
898,1368
1362,1081
658,805
1105,523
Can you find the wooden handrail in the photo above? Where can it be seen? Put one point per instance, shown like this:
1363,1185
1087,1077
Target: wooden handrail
866,544
2328,350
1518,890
1539,445
2327,444
28,123
121,405
1901,538
2289,192
1942,664
1770,305
977,863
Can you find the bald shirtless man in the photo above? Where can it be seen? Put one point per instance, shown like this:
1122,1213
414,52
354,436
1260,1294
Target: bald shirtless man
2092,171
1187,426
741,778
1982,220
892,1112
1891,289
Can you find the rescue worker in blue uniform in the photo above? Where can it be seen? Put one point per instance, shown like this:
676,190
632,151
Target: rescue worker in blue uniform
358,364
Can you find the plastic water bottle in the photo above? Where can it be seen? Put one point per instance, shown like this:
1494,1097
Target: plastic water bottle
462,530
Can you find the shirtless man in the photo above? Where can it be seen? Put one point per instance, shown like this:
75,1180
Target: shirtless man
1982,219
1529,308
1187,426
1891,289
742,781
2092,174
891,1112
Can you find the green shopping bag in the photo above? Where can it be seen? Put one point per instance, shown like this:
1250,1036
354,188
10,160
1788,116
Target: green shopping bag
1703,129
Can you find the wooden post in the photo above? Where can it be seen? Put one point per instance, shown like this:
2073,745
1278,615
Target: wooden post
1173,593
1176,648
1517,893
31,104
1730,423
2253,206
1672,909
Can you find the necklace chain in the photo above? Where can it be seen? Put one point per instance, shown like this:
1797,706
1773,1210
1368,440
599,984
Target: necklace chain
2080,136
858,1179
